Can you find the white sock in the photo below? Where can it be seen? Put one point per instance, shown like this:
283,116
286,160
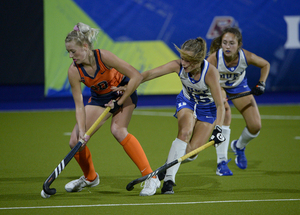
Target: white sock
245,138
222,149
177,150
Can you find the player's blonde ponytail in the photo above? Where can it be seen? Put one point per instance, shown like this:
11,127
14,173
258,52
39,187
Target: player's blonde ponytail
83,33
197,46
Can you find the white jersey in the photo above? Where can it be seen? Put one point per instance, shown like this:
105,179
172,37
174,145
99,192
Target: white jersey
233,76
196,91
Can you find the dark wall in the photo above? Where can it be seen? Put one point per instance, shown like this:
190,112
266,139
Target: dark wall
22,42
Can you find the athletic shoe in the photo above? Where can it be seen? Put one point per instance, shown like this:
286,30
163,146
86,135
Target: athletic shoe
223,170
150,187
240,159
168,187
162,175
78,184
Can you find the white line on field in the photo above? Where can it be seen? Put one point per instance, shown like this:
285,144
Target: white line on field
235,116
147,204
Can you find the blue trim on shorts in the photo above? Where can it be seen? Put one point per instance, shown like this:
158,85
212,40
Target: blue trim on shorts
242,87
205,113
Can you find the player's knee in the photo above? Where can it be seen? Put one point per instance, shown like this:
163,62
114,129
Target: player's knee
185,135
72,143
115,129
254,129
118,132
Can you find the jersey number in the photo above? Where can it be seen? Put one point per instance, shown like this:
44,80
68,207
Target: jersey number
100,86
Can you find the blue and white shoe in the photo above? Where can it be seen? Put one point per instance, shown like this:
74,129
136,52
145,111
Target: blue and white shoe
240,159
223,170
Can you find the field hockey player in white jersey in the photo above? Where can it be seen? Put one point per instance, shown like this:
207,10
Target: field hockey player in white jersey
199,106
227,54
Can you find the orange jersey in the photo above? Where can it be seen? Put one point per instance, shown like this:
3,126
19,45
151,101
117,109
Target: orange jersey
103,79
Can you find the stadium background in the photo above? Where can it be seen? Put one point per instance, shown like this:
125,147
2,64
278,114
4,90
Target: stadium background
34,142
142,32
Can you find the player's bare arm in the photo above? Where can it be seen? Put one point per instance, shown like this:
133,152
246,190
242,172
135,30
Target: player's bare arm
112,61
212,80
173,66
212,59
259,62
75,84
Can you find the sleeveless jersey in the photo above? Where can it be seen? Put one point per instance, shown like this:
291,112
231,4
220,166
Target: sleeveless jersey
196,91
231,77
103,79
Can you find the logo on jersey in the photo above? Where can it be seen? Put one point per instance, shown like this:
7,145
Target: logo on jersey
229,83
218,24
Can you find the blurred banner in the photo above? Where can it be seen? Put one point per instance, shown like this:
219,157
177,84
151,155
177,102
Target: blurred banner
143,33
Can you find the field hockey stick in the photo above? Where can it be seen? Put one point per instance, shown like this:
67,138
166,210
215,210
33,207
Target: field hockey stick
70,155
131,184
238,96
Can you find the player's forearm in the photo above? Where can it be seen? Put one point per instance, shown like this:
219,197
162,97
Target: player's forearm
147,76
264,72
220,115
130,88
80,118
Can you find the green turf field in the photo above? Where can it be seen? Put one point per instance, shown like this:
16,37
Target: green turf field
34,143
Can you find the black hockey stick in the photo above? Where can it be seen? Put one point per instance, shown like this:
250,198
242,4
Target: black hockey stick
70,155
131,184
238,96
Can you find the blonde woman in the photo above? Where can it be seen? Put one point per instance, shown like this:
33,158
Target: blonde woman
199,106
100,70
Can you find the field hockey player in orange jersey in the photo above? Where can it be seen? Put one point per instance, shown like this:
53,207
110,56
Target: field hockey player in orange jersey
100,70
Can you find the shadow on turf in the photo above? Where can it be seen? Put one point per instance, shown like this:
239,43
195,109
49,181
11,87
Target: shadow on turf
212,164
115,185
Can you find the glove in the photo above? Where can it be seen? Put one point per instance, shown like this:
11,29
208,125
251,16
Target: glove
217,136
259,88
116,107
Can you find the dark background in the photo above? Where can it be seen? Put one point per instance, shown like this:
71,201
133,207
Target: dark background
22,60
22,63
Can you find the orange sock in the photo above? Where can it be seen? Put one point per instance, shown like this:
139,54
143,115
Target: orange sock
84,159
135,151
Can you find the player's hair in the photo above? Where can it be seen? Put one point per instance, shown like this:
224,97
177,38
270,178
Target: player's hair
197,46
83,33
216,44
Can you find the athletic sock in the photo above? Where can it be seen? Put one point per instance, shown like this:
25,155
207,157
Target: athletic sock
84,159
222,149
245,138
135,151
177,150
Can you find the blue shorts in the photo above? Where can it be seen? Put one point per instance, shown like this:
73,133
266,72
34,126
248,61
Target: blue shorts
101,100
204,113
242,87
